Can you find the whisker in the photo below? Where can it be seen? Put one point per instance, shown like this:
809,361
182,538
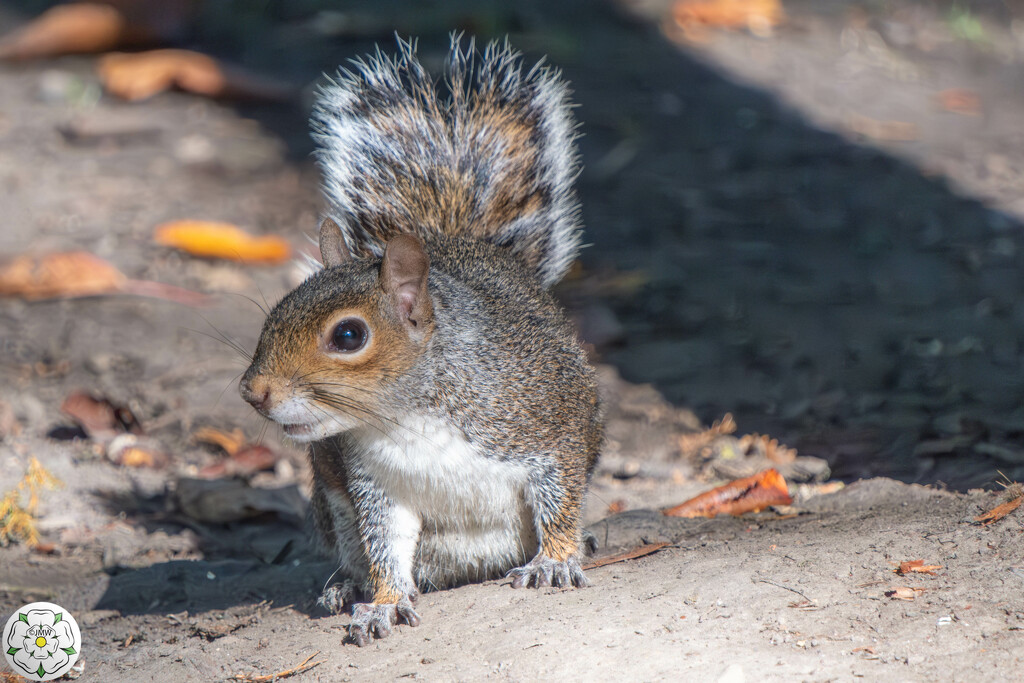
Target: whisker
266,311
228,385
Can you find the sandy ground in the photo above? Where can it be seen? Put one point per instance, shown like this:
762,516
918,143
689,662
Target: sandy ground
754,251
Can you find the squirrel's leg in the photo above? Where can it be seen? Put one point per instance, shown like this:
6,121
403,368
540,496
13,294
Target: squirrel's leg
556,498
335,519
389,532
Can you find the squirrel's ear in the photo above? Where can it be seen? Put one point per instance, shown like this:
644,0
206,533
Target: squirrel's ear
333,250
403,275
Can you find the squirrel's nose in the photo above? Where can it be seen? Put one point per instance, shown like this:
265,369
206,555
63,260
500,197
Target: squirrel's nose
257,397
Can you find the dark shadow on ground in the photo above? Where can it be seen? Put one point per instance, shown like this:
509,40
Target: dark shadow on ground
245,562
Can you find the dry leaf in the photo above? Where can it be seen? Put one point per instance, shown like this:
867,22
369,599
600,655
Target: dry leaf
1000,511
960,101
99,417
129,450
762,444
903,593
616,506
139,75
66,29
739,496
230,442
141,457
695,17
691,445
222,240
247,460
884,131
59,275
71,274
916,566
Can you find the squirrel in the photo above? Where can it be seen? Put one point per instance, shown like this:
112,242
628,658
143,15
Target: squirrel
452,418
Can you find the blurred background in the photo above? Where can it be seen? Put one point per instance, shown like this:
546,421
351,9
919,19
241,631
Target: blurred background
806,214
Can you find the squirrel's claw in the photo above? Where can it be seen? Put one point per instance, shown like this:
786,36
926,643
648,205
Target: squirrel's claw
374,620
542,571
337,596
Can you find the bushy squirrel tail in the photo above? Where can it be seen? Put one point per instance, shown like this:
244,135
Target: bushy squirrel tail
494,158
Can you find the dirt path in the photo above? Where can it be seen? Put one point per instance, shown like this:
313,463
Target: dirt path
759,247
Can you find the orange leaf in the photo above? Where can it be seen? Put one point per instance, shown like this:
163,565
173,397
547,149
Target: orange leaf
144,74
999,511
67,29
739,496
59,275
139,75
694,17
916,566
231,442
141,457
960,101
222,240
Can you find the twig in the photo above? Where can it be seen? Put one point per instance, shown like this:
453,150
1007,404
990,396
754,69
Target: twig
267,678
791,590
628,555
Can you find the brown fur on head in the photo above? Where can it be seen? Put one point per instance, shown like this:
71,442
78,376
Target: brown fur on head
332,347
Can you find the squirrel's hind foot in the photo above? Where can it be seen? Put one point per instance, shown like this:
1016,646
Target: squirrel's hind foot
542,571
374,620
338,596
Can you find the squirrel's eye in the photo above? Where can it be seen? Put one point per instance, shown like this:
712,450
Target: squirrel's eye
348,335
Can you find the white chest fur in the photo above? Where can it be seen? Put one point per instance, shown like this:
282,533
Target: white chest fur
462,513
436,473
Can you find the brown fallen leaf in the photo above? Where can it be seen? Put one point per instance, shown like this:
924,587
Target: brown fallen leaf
916,567
903,593
758,444
694,18
212,239
641,551
91,27
59,275
72,274
66,29
247,460
960,101
101,418
884,131
742,495
616,506
692,445
999,511
139,75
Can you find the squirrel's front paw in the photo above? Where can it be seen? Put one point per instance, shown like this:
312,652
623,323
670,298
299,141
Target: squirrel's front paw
542,571
370,619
